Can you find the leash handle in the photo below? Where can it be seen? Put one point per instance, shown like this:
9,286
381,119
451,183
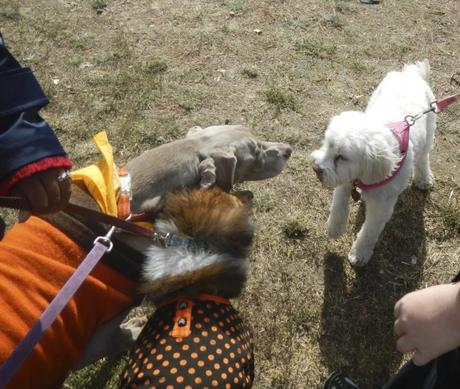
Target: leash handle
435,106
52,311
445,102
107,219
14,203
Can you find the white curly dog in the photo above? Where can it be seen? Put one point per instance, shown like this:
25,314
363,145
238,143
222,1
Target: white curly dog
375,151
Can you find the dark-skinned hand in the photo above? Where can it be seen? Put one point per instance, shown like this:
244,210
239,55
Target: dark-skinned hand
44,193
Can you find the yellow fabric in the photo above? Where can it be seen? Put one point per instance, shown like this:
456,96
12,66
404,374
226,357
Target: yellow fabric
101,180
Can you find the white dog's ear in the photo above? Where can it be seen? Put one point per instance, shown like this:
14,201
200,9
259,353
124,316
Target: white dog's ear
380,161
193,131
225,163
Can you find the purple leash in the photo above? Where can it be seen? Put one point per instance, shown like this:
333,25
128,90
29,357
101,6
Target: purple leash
102,244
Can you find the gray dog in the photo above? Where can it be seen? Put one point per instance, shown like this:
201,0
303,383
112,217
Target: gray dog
217,155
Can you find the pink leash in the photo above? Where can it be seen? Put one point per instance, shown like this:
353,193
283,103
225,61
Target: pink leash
401,131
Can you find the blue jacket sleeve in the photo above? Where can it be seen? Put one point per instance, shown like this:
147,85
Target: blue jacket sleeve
24,136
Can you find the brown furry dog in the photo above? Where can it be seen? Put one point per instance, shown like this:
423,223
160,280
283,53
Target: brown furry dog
195,336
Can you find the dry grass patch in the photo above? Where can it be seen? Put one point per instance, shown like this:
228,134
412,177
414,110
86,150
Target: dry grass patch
146,71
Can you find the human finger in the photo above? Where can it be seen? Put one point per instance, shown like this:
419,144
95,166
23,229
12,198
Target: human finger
399,328
52,188
397,308
420,359
404,344
66,190
32,190
23,216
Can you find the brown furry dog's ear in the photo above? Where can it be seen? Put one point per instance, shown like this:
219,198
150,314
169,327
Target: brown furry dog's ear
219,223
220,219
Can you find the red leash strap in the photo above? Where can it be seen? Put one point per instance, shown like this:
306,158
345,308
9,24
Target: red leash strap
20,203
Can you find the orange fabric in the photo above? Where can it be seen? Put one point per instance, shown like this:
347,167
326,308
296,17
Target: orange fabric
35,261
183,312
213,297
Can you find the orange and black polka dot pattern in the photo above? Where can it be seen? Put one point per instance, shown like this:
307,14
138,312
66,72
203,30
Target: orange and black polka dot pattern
217,353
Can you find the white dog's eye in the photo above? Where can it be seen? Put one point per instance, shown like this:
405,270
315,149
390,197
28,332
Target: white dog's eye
339,158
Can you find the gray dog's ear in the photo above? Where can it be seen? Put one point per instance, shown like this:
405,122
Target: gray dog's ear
225,162
153,204
207,171
192,131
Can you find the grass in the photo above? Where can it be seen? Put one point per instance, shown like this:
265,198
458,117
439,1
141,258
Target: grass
249,73
156,68
280,99
316,48
451,216
11,11
296,226
99,6
147,71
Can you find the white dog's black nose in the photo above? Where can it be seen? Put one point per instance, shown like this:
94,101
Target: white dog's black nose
318,170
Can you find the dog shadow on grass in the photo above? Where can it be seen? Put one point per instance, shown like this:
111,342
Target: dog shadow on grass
357,317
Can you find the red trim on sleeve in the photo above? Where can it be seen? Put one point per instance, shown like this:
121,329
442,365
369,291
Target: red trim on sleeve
32,168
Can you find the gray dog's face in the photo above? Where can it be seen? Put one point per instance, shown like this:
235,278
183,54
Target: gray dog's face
239,156
259,160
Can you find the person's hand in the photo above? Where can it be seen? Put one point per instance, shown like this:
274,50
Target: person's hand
46,192
428,322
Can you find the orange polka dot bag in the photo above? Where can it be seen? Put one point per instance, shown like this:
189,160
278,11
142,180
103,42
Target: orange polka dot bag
196,340
192,343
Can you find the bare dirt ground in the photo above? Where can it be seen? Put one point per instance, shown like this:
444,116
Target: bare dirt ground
146,71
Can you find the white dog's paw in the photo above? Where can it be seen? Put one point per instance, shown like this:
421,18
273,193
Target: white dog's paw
359,257
424,183
336,227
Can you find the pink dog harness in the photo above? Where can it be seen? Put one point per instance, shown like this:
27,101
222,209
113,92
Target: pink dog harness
401,131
